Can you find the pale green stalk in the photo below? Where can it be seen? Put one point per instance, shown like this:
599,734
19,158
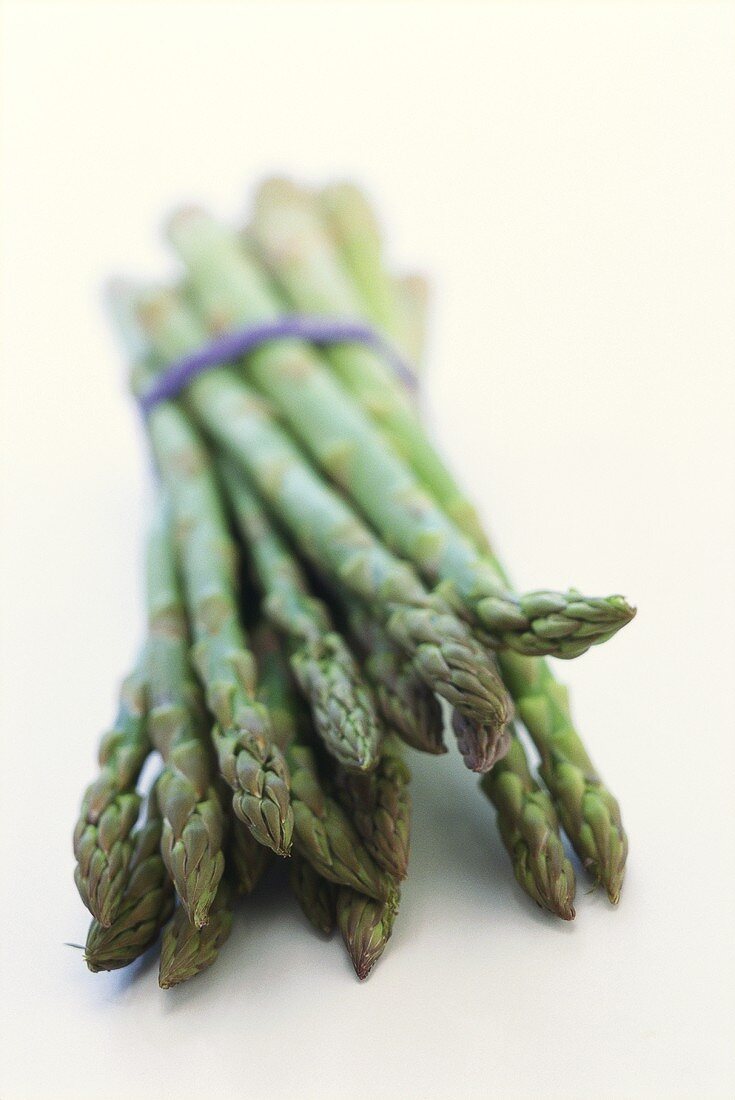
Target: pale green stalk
397,305
354,236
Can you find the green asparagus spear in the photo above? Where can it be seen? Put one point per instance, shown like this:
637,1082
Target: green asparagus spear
351,451
530,830
102,842
380,806
589,812
249,761
146,904
251,764
353,234
397,305
315,894
323,833
328,533
193,820
406,703
187,950
366,926
325,670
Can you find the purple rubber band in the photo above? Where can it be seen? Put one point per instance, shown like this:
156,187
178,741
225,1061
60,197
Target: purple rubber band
234,345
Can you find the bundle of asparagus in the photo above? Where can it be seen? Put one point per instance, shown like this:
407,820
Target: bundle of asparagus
281,710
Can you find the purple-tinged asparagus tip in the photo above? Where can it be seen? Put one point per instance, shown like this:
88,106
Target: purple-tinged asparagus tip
481,746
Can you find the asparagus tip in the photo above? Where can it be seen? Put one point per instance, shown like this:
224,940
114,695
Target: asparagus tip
625,610
480,744
559,897
613,884
562,907
550,884
609,868
609,875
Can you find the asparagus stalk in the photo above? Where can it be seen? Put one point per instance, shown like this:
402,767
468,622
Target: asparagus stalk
325,670
146,903
315,894
248,759
588,810
193,821
353,234
397,305
324,835
406,703
328,533
250,763
351,451
110,805
366,926
187,950
530,830
380,806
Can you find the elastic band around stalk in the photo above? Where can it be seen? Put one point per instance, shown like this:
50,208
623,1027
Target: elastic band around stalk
234,345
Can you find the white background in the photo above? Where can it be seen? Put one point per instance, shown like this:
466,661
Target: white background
565,172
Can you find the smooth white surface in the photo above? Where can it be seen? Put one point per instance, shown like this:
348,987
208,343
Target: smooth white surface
565,173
